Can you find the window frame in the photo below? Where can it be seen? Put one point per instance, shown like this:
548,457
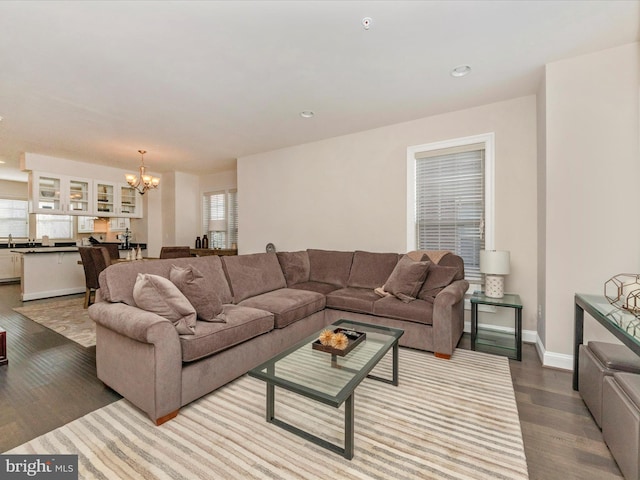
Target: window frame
488,140
230,214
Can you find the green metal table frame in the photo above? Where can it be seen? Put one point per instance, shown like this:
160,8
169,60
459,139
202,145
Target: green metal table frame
347,395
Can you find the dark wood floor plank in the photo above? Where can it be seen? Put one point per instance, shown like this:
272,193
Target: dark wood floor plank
51,381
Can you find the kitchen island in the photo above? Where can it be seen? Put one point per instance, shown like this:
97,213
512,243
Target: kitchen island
50,272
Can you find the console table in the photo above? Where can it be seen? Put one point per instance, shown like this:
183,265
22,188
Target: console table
623,325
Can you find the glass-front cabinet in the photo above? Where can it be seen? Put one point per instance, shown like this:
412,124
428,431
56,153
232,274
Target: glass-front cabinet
130,202
60,194
117,199
105,195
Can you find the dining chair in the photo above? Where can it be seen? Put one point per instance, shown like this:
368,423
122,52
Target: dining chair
94,260
175,252
112,248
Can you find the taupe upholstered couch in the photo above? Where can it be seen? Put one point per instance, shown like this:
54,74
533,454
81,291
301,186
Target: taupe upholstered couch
269,302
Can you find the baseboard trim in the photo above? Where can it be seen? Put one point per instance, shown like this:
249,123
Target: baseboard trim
553,359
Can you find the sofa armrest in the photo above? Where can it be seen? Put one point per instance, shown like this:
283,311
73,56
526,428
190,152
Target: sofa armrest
448,318
139,355
133,322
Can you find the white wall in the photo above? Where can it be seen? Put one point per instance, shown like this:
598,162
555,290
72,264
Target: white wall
592,172
541,113
14,190
350,192
180,209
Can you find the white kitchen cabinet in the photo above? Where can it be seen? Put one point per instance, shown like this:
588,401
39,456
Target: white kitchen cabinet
130,202
119,224
67,195
85,224
51,272
105,195
10,266
116,199
60,194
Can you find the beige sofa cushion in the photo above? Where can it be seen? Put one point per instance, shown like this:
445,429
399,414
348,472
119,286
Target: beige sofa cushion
288,305
295,266
159,295
370,270
418,311
329,266
243,323
352,299
251,275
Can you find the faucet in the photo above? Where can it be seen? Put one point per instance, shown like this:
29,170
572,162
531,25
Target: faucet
10,240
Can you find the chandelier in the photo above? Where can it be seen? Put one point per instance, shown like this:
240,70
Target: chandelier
142,182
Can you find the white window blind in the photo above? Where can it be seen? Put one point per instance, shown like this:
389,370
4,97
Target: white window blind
54,226
14,218
222,205
450,203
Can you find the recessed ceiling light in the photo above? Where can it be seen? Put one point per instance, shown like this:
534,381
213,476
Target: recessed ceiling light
306,114
461,71
2,161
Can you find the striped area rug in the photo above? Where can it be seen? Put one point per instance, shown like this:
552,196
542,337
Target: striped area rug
453,419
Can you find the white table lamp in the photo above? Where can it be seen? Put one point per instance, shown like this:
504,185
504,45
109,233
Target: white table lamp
217,226
494,264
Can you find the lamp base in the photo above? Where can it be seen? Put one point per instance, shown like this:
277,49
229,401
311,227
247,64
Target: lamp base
494,286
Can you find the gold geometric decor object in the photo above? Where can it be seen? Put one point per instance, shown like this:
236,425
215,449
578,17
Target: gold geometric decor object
623,291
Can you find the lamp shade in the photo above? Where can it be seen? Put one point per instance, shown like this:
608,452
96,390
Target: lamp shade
494,262
217,225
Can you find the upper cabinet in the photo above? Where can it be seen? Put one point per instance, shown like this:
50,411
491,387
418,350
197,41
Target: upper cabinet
117,200
130,203
58,194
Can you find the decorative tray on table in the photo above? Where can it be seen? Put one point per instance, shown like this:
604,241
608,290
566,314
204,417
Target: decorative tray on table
353,337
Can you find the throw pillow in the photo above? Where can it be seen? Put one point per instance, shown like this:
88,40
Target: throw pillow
191,283
158,295
439,277
407,278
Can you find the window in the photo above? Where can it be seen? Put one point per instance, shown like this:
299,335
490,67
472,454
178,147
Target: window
54,226
222,205
451,190
14,218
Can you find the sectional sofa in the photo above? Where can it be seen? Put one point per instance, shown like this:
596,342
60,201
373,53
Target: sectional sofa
167,349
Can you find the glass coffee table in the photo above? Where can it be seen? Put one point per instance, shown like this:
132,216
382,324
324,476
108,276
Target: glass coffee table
328,378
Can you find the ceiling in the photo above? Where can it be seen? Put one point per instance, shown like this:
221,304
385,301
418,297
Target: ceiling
199,84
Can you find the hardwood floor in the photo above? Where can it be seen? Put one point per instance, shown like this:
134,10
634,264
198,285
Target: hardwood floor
51,380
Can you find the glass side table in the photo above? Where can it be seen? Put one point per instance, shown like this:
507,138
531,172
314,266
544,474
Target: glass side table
492,340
